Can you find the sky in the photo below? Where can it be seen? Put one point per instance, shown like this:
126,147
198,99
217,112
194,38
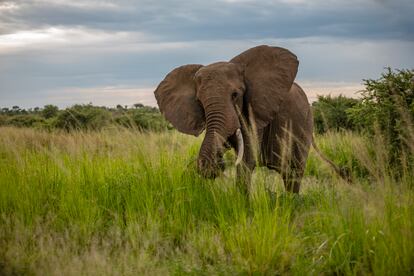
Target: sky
113,52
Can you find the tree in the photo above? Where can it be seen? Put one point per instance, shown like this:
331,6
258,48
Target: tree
330,113
50,111
16,109
387,107
25,121
83,117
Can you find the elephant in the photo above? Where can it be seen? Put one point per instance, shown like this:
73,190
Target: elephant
251,104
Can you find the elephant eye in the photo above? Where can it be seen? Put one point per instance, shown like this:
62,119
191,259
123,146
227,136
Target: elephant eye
234,95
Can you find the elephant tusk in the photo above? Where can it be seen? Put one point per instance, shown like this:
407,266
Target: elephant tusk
240,146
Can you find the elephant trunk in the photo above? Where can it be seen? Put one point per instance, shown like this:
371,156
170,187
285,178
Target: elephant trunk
210,157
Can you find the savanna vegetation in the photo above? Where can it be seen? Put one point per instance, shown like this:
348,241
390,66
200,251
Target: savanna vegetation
102,199
85,117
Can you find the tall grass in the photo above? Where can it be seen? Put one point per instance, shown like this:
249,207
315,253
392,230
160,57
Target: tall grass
124,202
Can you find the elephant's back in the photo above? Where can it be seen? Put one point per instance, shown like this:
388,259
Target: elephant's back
295,110
296,102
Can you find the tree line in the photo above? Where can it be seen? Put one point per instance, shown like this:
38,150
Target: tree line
85,117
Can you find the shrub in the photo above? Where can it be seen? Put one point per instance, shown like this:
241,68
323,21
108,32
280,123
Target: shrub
330,113
387,108
50,111
148,119
143,118
83,117
3,119
25,121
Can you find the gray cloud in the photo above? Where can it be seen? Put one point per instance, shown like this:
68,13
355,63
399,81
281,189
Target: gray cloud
187,20
48,47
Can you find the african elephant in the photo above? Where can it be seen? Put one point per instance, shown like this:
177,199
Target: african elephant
254,90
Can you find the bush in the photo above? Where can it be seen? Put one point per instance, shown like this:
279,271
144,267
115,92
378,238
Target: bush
83,117
3,119
143,118
149,120
330,113
25,121
50,111
387,108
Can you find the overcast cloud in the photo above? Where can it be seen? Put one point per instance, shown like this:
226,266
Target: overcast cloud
107,52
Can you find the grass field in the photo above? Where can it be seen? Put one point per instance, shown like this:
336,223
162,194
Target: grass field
120,202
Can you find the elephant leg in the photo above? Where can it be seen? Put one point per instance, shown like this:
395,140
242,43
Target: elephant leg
293,173
292,178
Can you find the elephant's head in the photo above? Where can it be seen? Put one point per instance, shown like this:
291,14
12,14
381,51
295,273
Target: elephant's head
215,97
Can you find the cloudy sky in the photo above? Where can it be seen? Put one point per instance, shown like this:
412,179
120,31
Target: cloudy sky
116,51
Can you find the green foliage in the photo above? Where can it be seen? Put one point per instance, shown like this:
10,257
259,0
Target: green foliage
330,113
347,150
387,108
127,203
83,117
149,120
3,119
143,118
50,111
25,121
15,110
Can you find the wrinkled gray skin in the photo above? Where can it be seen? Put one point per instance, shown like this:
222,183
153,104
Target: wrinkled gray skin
254,90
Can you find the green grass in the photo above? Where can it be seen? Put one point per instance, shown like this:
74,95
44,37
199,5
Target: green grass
128,203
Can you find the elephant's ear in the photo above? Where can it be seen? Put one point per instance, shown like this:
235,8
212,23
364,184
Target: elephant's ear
176,97
269,73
